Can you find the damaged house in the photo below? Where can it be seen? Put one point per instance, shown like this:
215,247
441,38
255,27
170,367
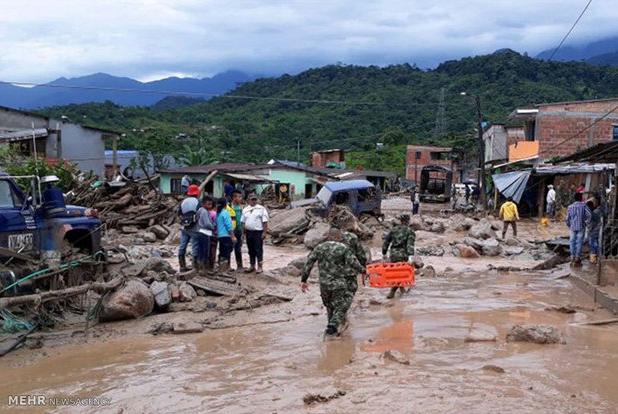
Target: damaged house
55,139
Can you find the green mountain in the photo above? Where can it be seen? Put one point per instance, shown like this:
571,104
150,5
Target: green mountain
351,107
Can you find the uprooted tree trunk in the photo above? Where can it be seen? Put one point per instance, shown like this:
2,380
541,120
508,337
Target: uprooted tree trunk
35,299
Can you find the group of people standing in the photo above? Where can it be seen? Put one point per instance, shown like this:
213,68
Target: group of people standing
208,223
583,219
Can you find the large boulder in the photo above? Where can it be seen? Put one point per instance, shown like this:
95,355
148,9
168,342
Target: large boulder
417,223
160,231
513,250
316,235
438,227
482,230
131,301
477,244
187,293
148,236
466,252
161,293
491,247
538,334
289,221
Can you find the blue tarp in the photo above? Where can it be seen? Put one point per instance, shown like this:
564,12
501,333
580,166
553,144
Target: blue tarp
512,184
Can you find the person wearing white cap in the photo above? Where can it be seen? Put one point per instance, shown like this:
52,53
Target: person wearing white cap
551,201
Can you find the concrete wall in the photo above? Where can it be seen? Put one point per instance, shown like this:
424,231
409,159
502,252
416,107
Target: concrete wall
415,166
84,146
321,159
495,143
15,120
558,125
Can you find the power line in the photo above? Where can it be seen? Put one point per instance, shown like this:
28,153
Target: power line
570,30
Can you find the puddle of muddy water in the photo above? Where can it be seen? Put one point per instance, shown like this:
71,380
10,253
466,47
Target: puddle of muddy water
269,368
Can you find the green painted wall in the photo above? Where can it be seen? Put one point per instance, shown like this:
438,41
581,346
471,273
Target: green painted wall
298,179
166,188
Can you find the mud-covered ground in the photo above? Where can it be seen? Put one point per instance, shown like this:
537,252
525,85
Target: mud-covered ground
417,353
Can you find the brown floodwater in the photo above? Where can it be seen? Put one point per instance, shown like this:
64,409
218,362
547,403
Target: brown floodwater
270,367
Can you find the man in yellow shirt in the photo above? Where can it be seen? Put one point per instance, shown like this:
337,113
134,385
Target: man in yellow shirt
509,215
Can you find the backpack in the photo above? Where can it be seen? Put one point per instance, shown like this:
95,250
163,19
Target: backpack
188,219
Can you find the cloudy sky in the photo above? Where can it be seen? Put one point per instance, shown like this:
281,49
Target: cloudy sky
149,39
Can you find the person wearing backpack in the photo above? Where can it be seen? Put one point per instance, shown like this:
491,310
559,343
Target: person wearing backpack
187,211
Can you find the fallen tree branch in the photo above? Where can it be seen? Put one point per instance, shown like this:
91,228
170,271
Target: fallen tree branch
99,287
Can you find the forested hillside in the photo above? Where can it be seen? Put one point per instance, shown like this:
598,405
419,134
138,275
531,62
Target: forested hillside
351,107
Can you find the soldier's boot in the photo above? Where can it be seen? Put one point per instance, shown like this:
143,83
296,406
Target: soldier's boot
259,268
392,292
195,264
182,264
343,326
331,330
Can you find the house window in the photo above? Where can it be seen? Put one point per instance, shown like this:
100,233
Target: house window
615,132
418,155
175,187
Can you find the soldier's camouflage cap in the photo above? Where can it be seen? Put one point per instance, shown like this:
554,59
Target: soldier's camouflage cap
404,217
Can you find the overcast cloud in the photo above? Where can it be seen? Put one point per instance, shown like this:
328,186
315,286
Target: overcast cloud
147,39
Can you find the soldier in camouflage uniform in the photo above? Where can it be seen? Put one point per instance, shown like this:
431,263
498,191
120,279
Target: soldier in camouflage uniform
351,240
336,264
401,242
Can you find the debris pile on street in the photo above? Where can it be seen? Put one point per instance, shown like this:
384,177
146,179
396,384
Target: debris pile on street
135,205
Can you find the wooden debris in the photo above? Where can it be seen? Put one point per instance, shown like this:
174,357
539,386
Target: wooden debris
99,287
599,322
213,286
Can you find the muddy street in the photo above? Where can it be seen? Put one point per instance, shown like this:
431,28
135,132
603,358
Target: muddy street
440,348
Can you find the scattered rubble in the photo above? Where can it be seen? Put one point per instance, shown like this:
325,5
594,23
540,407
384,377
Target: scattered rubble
494,368
538,334
310,399
395,356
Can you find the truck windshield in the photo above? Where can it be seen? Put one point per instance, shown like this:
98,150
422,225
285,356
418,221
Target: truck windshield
6,196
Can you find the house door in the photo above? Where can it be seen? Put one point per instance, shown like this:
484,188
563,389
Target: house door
308,190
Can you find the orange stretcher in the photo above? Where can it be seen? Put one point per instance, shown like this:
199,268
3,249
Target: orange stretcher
386,275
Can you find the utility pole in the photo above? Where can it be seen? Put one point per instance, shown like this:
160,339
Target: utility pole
481,144
298,151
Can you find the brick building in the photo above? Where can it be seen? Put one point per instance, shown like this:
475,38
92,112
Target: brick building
555,127
498,138
419,156
334,158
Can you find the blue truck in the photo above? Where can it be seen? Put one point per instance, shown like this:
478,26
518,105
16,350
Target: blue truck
41,230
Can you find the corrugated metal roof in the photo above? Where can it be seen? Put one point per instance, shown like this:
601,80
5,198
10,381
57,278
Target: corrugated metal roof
23,135
250,177
512,184
573,169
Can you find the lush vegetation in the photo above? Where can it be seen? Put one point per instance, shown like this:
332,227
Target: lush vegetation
357,108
